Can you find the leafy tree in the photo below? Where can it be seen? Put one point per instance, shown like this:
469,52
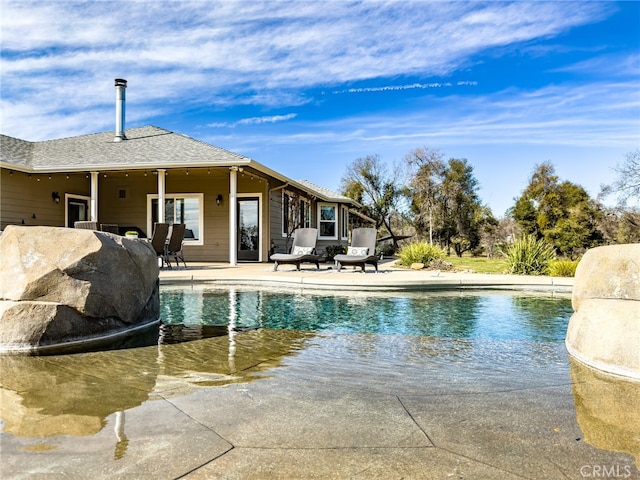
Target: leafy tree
466,212
493,233
445,200
629,227
369,181
562,213
621,225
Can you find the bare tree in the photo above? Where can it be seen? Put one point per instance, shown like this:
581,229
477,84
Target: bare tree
293,214
428,170
627,184
372,183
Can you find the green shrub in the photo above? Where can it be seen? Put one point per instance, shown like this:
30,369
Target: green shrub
563,268
529,256
420,252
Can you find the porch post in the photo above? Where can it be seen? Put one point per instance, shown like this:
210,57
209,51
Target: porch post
93,208
233,216
161,191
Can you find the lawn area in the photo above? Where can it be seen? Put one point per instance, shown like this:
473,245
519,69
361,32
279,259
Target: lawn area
478,264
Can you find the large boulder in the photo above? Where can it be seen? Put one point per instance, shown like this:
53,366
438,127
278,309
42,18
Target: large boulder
60,285
604,331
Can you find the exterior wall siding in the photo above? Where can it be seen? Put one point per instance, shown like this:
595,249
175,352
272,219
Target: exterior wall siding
122,200
279,241
24,196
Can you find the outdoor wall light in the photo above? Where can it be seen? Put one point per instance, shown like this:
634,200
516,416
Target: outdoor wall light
219,199
55,196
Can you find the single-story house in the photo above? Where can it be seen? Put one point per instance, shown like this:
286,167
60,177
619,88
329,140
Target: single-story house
235,209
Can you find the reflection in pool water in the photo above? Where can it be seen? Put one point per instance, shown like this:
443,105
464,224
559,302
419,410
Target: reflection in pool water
474,315
57,396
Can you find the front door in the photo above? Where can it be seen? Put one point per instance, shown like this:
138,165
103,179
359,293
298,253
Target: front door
248,229
77,209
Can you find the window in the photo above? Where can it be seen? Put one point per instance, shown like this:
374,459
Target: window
293,217
179,208
344,223
327,221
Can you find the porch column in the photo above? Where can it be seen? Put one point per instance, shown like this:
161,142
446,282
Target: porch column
161,191
93,207
233,216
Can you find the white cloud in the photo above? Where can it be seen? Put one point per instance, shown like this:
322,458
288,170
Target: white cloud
595,115
237,52
254,120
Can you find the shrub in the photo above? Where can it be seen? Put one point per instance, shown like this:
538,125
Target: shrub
529,256
420,252
333,250
563,268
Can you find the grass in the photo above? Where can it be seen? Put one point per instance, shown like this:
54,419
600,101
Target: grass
479,264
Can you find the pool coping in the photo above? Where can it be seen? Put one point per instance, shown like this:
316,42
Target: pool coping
389,278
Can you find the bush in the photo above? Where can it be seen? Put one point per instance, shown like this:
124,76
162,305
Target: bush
563,268
420,252
333,250
529,256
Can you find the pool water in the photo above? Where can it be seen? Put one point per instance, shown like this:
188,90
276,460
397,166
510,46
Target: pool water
237,380
200,313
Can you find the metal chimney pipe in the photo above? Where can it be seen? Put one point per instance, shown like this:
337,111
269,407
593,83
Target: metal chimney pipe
121,85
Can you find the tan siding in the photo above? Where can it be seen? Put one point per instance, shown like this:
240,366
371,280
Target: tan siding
22,197
129,211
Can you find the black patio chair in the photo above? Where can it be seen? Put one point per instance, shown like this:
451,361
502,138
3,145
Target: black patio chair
174,246
159,239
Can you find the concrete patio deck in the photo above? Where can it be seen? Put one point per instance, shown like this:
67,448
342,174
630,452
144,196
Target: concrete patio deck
389,277
291,405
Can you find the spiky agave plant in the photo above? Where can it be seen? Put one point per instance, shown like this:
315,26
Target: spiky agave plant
529,256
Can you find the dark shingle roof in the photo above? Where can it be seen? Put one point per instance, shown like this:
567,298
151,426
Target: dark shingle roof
15,151
145,146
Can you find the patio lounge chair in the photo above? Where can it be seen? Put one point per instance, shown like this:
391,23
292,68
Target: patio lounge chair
361,251
159,239
174,246
302,250
86,225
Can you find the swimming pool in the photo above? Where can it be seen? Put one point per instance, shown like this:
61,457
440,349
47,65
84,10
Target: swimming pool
259,380
196,313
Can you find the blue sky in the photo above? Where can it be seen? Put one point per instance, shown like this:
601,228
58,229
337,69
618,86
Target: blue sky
305,87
